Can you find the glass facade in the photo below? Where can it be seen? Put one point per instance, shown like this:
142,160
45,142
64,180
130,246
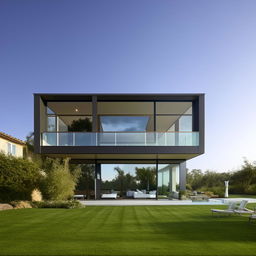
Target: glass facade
168,181
134,181
86,184
120,124
130,181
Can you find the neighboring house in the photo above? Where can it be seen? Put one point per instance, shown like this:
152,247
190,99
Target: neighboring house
155,131
11,145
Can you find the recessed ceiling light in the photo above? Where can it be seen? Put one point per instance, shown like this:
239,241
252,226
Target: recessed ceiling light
76,109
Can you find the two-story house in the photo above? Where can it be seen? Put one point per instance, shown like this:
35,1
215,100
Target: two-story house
151,136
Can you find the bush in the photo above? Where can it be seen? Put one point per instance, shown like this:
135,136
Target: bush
251,190
70,204
59,183
18,177
219,191
182,194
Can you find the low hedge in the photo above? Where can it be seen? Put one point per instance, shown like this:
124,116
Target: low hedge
70,204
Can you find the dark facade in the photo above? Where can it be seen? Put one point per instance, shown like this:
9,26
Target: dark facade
164,130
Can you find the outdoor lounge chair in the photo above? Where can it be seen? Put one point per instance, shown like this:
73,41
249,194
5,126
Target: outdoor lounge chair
252,217
230,210
109,196
242,209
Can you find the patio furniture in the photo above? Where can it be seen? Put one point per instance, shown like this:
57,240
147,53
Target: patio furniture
109,196
242,209
142,195
252,217
230,209
79,197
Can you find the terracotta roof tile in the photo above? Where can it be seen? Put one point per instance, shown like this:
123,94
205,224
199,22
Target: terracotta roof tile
11,138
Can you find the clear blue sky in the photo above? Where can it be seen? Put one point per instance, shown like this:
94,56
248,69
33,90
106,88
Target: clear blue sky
136,46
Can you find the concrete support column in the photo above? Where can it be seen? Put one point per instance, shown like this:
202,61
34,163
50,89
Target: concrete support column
182,172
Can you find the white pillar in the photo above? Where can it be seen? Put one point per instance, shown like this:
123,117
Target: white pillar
226,188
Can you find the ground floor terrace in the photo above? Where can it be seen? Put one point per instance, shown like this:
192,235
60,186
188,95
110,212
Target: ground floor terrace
126,230
131,179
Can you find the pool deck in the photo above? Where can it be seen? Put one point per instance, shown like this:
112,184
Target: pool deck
134,202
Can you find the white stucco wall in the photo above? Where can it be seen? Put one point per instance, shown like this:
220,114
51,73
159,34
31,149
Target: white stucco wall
4,147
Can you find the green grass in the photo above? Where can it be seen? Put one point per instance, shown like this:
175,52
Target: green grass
125,230
241,196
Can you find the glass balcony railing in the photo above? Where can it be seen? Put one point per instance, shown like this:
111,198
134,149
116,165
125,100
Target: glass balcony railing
120,139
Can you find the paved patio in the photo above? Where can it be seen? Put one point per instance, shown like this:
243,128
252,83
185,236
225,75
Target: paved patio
124,202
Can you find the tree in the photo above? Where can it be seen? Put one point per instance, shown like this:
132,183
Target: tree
86,180
242,180
146,177
120,180
81,125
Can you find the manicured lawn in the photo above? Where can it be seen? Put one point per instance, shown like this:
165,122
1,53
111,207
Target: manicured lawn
241,196
125,230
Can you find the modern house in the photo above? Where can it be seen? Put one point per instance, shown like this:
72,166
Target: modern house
137,144
11,145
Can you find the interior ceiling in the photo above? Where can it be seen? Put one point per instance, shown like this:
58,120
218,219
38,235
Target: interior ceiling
71,108
125,108
173,107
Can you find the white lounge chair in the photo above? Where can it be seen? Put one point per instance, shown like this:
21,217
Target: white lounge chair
109,196
242,208
230,210
252,217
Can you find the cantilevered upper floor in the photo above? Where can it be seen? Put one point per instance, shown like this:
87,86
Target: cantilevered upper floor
119,126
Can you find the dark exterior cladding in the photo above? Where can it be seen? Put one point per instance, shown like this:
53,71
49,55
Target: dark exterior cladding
109,151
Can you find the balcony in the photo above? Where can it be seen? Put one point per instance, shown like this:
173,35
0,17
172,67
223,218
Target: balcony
120,139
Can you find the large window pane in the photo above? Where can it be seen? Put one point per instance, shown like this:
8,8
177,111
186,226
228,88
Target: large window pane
124,123
185,123
51,123
128,181
85,186
166,123
75,123
168,180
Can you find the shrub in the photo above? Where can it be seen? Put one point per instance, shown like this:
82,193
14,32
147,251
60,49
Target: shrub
70,204
251,190
18,177
214,191
182,194
59,183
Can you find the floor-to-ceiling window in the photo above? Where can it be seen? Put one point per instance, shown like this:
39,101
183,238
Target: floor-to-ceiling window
134,181
86,183
125,123
63,118
174,120
168,181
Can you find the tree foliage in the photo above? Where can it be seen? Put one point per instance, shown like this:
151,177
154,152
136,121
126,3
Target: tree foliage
60,180
85,184
18,178
241,181
81,125
146,177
